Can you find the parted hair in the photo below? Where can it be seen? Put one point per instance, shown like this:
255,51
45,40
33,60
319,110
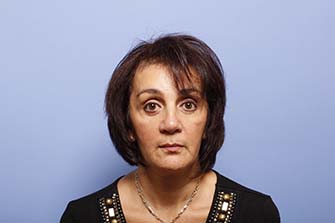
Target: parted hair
183,55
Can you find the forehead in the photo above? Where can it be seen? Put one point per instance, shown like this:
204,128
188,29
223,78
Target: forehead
162,76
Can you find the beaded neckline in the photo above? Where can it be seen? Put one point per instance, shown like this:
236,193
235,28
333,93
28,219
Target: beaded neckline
221,211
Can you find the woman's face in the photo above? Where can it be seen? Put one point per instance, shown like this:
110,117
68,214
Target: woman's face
169,123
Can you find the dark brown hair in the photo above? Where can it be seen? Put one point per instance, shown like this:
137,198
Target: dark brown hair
179,54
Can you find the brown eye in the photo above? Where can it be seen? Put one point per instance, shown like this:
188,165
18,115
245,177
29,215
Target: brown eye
151,107
189,106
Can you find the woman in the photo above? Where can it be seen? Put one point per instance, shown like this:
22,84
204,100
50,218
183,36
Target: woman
165,105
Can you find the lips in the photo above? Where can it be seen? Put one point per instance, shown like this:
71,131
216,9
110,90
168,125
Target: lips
171,147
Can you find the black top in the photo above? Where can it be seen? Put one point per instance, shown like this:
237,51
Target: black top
232,203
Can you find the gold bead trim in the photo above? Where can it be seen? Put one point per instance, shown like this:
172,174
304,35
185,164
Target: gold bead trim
224,205
110,209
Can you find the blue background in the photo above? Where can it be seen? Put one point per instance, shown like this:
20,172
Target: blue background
56,58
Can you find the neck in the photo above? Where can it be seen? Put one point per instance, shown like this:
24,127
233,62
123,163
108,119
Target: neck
168,189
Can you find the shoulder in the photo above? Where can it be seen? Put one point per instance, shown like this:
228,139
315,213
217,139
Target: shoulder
85,209
225,182
250,204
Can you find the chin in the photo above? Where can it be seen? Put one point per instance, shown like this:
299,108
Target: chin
174,165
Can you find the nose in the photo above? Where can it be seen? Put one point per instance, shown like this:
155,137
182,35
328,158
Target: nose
170,123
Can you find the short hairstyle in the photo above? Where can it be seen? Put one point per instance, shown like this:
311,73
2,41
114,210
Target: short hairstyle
180,54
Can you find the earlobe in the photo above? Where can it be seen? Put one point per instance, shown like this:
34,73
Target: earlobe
131,137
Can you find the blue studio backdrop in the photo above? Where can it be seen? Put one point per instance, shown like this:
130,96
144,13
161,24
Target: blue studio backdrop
56,58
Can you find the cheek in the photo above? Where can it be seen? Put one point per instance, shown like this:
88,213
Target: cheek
145,131
145,135
196,126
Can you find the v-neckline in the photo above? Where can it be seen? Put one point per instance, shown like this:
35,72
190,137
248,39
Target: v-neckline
221,208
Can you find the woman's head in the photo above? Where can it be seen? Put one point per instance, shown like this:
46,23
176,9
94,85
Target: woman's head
188,63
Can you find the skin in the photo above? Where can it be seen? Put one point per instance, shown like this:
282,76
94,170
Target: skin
169,126
162,117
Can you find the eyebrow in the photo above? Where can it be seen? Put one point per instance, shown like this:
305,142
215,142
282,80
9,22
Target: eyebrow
149,91
188,91
184,92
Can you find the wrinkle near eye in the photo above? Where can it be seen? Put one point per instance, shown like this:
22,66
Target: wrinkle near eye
151,106
189,106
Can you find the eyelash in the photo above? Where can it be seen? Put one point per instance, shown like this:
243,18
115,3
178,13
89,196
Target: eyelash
146,107
193,104
155,105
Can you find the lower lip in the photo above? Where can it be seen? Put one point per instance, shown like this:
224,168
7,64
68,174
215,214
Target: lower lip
171,149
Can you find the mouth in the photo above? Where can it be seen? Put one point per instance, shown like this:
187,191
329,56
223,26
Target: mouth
171,147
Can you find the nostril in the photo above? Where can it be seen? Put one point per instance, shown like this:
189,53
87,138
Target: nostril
170,127
170,123
170,131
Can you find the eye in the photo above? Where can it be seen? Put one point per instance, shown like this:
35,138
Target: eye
189,106
151,107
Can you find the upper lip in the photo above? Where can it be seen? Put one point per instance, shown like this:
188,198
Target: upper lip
170,145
